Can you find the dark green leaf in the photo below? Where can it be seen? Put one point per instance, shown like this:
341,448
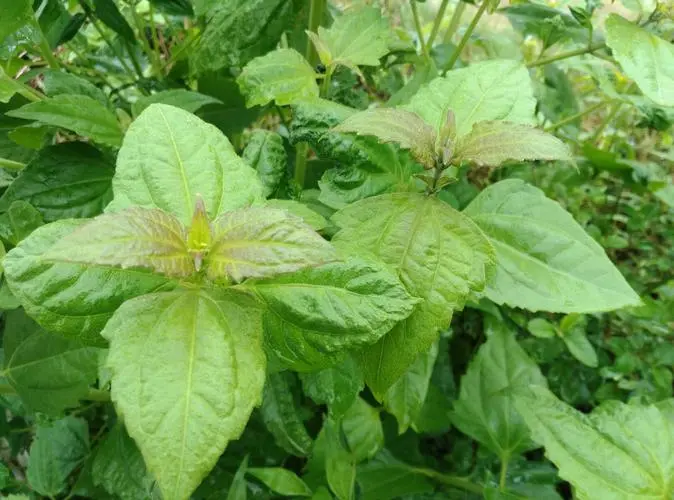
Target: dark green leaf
337,386
107,11
180,98
266,154
20,221
281,481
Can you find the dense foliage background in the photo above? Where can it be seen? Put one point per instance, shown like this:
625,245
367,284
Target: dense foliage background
553,380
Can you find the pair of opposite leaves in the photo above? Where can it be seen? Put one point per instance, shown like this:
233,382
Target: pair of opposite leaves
255,242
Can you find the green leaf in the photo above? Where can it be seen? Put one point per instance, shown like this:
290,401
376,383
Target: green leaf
386,478
493,143
541,328
19,222
238,490
187,369
58,449
81,114
119,467
263,242
133,238
404,128
645,57
572,331
545,261
169,156
413,233
340,466
283,76
266,154
405,399
485,409
337,386
362,430
48,372
188,100
326,309
281,481
8,85
15,14
313,219
549,24
239,30
359,37
619,452
69,180
109,14
52,293
483,91
281,416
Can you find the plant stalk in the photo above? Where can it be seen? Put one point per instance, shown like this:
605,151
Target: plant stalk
466,36
420,34
566,55
574,117
455,481
436,24
114,49
11,164
45,49
504,473
454,22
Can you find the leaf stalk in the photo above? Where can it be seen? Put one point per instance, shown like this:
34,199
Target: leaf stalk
567,55
466,36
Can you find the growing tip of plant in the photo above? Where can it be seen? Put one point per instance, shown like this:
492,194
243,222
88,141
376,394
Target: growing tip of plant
199,236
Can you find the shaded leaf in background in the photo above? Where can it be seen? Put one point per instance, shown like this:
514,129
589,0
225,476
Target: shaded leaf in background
20,220
266,154
386,478
180,98
337,386
362,431
109,14
15,14
547,23
281,481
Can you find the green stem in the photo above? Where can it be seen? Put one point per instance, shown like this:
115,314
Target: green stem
114,49
134,59
574,117
566,55
45,49
420,34
315,17
155,41
325,85
436,23
466,36
504,473
11,165
454,22
455,481
140,25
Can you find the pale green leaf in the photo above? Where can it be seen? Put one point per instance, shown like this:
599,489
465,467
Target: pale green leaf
52,293
282,76
645,57
81,114
337,386
405,399
485,409
57,450
545,261
281,481
119,467
262,242
298,209
402,127
572,331
169,156
8,85
281,415
619,452
541,328
490,90
326,309
69,180
48,372
362,430
188,100
187,369
132,238
266,154
359,37
440,256
493,143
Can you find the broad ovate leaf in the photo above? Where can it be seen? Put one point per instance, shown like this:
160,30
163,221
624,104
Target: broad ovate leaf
187,369
282,76
494,143
440,256
545,260
619,452
180,98
489,90
81,114
170,156
48,372
73,300
645,57
261,242
132,238
266,154
317,312
402,127
359,37
485,408
69,180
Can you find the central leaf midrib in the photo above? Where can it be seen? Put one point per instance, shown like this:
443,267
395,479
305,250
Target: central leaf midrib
180,164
